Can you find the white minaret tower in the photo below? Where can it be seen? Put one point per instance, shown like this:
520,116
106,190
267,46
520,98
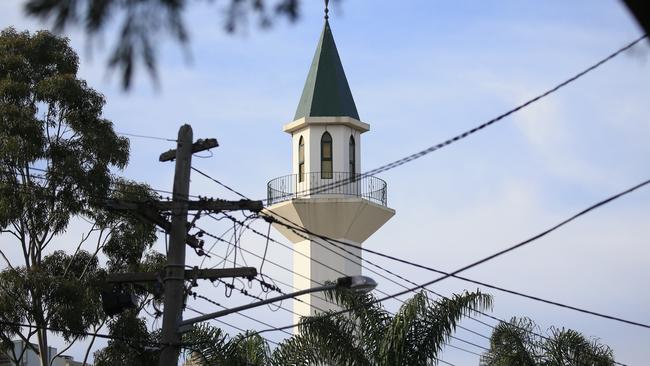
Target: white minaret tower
322,194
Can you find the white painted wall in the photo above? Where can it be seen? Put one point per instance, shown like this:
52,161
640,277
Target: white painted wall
346,218
340,140
315,262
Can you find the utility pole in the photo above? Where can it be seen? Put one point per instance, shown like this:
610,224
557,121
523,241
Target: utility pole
174,275
174,279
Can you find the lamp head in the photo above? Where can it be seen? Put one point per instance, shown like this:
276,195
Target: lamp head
361,284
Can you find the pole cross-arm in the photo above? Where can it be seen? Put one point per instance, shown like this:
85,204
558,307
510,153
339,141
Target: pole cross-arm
207,274
213,205
198,146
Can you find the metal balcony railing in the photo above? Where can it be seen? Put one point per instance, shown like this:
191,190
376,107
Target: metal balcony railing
316,184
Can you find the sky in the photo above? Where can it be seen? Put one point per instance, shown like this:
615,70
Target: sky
422,72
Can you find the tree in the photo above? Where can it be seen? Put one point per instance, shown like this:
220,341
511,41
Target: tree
142,21
56,156
208,345
369,335
132,343
65,287
517,343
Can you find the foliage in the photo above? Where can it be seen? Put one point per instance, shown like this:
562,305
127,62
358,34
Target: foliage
132,344
209,345
369,335
51,120
517,343
143,20
56,156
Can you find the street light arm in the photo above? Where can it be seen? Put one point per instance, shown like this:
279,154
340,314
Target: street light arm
186,325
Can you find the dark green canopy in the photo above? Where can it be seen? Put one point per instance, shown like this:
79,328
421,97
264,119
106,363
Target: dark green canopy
326,92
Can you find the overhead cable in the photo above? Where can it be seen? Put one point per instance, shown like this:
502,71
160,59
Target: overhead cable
478,128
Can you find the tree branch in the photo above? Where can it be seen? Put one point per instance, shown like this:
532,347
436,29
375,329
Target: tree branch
99,247
63,350
74,255
92,340
6,259
28,344
10,232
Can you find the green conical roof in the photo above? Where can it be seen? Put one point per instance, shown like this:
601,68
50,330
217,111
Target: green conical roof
326,92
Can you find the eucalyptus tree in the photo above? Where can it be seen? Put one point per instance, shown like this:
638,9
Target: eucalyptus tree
131,345
56,157
370,335
520,342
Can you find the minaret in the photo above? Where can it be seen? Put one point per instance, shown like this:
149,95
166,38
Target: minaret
326,193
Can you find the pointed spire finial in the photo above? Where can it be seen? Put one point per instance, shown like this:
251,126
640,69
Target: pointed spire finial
327,10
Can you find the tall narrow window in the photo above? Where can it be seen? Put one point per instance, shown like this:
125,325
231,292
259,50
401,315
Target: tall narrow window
353,160
326,156
301,159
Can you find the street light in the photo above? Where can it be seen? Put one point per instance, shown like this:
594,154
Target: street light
360,284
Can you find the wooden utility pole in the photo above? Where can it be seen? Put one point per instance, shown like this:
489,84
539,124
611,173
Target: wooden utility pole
174,279
174,275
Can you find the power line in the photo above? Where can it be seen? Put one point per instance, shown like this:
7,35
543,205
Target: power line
284,331
230,325
268,325
220,183
464,350
98,335
109,188
453,337
525,242
292,226
454,274
362,259
241,314
277,344
343,274
41,177
339,254
145,136
269,238
490,257
467,133
273,263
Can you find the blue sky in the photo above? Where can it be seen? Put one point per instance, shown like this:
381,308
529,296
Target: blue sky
421,72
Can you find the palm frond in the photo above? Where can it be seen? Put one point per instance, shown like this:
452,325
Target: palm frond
370,318
249,350
517,343
512,343
402,330
568,346
440,321
210,343
324,339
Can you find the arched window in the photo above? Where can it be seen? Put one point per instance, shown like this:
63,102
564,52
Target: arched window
326,156
353,158
301,159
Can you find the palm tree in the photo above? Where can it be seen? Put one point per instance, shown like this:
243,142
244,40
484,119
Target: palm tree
370,335
517,343
212,346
